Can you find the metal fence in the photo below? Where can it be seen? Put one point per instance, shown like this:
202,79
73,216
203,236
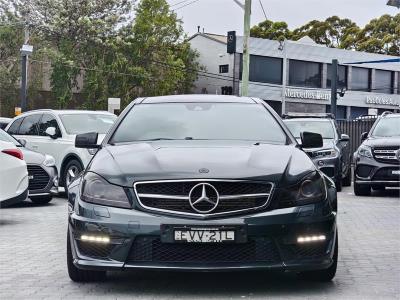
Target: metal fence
354,129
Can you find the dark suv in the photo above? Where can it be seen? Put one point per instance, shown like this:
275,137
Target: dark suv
334,157
201,182
377,160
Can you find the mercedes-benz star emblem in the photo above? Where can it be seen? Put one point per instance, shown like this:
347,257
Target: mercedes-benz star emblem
203,198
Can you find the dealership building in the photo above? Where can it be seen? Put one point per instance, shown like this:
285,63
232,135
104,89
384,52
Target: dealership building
298,73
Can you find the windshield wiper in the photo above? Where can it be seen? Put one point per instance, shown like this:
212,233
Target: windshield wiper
156,139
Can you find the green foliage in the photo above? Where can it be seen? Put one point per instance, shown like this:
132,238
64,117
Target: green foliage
381,35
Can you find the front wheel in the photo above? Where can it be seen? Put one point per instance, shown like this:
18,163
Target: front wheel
79,275
327,274
71,171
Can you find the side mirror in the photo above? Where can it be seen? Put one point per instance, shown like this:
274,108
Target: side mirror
51,132
364,136
87,140
311,140
22,142
344,138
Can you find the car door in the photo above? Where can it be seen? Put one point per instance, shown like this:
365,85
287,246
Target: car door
28,130
53,146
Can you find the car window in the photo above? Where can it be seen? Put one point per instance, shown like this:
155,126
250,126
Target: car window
200,121
387,127
83,123
14,127
46,122
324,128
29,125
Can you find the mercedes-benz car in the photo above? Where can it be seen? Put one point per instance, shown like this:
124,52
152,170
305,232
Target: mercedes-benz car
377,160
334,157
201,182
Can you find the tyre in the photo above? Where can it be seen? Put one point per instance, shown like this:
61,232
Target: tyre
40,200
362,189
327,274
71,170
338,184
347,179
79,275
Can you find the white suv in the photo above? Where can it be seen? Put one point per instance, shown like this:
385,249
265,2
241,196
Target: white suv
53,132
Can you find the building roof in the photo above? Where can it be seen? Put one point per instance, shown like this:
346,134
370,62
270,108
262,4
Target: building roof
212,36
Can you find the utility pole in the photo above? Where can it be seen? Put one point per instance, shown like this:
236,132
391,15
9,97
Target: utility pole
25,51
283,46
246,54
334,81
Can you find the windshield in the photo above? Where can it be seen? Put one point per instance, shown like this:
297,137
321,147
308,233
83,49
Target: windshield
5,137
387,127
199,121
83,123
324,128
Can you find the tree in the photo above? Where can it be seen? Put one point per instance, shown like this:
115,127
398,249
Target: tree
381,35
271,30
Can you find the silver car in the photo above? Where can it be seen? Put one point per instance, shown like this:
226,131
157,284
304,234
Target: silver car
42,172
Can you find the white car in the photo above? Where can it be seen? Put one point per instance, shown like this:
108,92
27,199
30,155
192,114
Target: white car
53,132
13,175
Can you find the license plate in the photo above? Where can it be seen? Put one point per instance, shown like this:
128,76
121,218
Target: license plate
196,235
395,172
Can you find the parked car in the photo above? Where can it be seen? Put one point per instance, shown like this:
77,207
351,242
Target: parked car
42,172
377,160
53,132
201,182
333,157
4,122
13,175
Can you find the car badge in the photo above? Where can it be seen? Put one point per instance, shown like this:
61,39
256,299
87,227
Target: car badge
203,198
204,170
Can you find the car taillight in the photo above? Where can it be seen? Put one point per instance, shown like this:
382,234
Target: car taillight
14,152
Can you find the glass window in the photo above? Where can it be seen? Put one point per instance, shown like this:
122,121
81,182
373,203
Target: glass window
360,79
46,122
387,127
15,126
199,121
29,125
223,68
5,137
304,73
323,127
342,76
383,82
84,123
265,69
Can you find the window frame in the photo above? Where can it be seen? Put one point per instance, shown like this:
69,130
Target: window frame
36,124
320,66
221,68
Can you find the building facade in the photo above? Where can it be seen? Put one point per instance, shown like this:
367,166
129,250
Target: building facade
298,74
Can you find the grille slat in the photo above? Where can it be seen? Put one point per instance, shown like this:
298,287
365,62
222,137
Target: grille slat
151,249
387,154
40,177
173,196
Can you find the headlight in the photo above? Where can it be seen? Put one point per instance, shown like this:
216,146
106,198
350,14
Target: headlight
310,189
92,151
365,151
95,189
49,161
326,153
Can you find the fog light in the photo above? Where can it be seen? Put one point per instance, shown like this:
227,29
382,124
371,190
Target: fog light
96,239
311,238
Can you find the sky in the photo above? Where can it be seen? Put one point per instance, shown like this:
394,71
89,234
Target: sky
221,16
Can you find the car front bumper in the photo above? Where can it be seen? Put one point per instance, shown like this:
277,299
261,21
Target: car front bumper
135,240
368,171
49,184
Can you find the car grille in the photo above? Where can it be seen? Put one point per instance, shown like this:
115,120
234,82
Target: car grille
328,171
173,196
38,177
304,251
387,174
387,154
151,249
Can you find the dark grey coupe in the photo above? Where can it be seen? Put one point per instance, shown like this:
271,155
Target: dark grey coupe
201,182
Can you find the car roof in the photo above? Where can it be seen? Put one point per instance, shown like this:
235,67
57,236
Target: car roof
3,119
206,98
392,115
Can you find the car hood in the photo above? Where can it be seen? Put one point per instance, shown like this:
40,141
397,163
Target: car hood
383,141
32,157
129,163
